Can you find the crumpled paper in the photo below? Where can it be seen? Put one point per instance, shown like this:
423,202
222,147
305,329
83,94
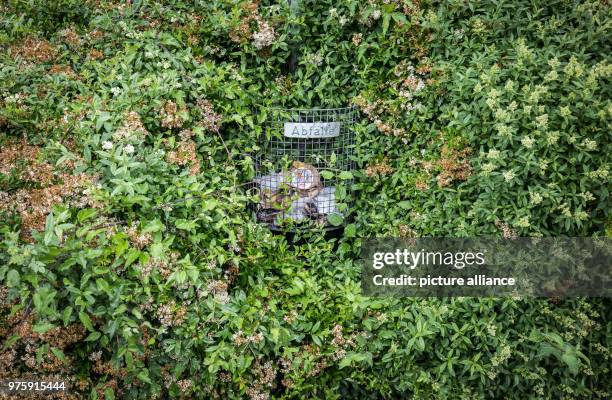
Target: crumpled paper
325,201
296,194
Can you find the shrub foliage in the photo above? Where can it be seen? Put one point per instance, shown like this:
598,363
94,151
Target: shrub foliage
131,266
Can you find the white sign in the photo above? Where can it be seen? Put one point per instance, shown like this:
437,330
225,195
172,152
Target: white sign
312,130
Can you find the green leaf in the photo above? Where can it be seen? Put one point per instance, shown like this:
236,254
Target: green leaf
66,316
10,342
296,288
157,250
102,285
86,214
59,354
109,394
399,17
546,349
346,175
12,278
153,226
144,376
385,23
404,204
570,359
185,224
43,327
350,230
102,118
93,336
131,256
326,174
49,225
355,357
275,332
335,219
86,321
136,313
332,159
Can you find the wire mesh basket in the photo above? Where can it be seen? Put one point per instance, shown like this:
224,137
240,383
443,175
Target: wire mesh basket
304,168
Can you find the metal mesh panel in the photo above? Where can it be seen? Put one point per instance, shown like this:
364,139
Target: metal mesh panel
304,181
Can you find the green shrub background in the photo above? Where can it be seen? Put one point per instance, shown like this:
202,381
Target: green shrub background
137,270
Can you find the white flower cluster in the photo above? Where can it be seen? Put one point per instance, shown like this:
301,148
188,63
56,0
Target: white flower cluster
342,19
528,142
493,154
16,98
129,31
535,198
315,59
265,36
542,121
552,137
523,52
589,144
488,168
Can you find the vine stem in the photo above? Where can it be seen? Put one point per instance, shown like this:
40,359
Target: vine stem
229,155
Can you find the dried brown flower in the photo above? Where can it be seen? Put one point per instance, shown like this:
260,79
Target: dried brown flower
185,154
262,36
138,239
132,128
34,49
171,314
62,337
379,169
507,232
95,54
171,115
211,120
264,375
421,185
454,166
71,36
62,69
95,34
34,204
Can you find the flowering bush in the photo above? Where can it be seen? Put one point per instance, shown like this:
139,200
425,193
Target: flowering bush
131,267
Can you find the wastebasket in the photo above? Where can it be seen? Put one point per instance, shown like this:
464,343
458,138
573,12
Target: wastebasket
303,171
